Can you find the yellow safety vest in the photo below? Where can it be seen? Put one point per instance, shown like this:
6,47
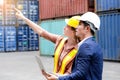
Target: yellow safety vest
67,59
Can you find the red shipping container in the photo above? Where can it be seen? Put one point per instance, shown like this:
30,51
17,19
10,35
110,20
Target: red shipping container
61,8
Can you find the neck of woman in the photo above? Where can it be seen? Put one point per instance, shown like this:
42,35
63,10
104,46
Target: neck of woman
71,41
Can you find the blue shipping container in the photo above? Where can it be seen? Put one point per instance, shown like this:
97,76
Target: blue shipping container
109,35
33,40
2,48
33,11
22,38
9,13
105,5
25,8
1,16
54,26
10,38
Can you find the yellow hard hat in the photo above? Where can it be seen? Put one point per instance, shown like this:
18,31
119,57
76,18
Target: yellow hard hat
73,21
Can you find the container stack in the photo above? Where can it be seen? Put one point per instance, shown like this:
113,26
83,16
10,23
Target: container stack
63,8
30,39
33,38
2,47
22,29
53,13
22,38
109,34
10,38
15,34
9,26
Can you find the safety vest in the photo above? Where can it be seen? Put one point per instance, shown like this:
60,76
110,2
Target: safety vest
66,60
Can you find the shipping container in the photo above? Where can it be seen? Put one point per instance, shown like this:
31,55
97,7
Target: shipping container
33,40
107,5
109,35
22,38
54,26
1,14
33,11
23,6
10,38
2,41
9,13
59,8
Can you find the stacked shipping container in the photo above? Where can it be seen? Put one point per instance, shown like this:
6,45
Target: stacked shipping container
34,16
1,15
2,47
60,8
22,38
54,26
12,36
53,13
24,10
109,36
9,26
30,38
107,5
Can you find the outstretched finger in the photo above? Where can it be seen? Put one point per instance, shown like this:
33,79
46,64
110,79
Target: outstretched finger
16,10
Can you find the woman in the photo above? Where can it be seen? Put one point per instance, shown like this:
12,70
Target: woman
65,50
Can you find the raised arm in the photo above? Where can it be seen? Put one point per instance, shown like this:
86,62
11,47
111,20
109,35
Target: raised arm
41,32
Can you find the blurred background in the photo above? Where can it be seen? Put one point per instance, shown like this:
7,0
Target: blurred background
16,38
15,35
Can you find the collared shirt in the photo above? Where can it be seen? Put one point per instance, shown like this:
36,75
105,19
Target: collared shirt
80,43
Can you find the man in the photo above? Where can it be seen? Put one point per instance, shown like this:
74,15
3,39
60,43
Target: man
88,63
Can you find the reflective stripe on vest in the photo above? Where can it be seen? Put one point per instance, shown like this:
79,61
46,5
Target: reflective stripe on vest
57,54
67,59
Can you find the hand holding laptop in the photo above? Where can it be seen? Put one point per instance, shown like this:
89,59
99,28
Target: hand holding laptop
41,66
49,76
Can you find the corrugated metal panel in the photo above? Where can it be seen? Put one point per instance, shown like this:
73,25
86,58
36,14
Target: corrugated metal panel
105,5
1,15
24,4
33,40
9,12
22,38
33,11
59,8
10,38
2,41
109,35
54,26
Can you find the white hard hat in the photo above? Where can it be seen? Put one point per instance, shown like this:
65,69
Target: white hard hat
92,18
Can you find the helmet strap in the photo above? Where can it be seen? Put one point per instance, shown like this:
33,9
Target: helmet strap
91,26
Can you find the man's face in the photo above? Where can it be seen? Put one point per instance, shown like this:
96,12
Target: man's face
80,31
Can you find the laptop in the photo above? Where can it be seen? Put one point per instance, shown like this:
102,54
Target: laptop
42,67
